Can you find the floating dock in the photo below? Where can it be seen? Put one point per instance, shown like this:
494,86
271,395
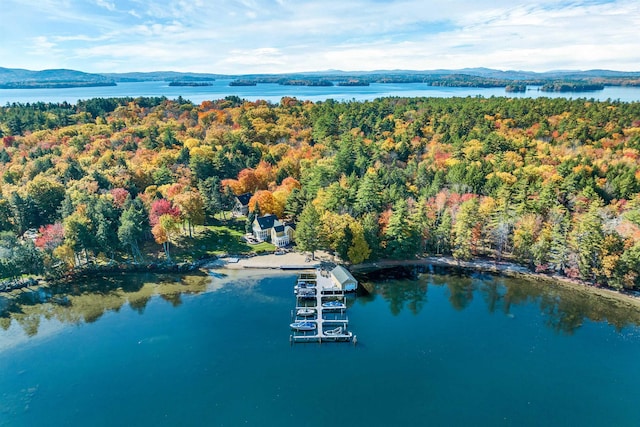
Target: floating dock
316,292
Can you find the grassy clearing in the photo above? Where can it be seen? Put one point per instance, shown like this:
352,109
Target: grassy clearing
224,237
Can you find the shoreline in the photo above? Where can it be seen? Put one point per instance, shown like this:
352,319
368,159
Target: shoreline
506,269
272,263
242,268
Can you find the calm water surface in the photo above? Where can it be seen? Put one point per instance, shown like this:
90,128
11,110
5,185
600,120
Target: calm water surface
274,92
432,350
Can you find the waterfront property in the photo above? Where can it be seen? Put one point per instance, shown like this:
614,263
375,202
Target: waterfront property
268,227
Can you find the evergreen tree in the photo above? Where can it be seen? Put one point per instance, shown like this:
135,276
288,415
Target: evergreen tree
466,221
368,196
559,250
134,225
371,233
308,237
402,238
443,233
586,239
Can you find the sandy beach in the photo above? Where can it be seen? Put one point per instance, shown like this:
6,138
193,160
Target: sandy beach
287,261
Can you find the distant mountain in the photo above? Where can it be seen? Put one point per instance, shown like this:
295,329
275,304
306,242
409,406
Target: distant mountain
16,78
466,77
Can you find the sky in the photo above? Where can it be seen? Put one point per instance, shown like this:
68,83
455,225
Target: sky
280,36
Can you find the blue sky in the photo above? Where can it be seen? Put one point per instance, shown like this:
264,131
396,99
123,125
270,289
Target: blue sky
277,36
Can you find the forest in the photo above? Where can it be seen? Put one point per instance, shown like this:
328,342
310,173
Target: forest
552,184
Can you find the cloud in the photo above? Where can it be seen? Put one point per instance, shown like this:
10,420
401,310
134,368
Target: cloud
107,5
247,36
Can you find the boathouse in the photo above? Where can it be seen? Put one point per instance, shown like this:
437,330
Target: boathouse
342,278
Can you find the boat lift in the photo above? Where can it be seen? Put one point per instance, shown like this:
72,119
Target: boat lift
331,320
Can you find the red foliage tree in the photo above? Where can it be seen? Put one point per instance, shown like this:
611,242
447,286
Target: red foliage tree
51,236
120,196
162,207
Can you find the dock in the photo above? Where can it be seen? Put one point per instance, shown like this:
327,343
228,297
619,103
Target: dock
323,305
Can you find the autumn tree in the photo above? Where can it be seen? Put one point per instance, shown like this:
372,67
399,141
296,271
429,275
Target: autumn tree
166,230
191,207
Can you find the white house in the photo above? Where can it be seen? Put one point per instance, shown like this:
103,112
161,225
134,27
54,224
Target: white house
241,207
268,227
281,235
262,226
342,278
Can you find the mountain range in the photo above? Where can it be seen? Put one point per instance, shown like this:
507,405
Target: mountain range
21,78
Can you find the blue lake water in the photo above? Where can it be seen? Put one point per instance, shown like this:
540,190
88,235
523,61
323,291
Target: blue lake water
274,92
432,350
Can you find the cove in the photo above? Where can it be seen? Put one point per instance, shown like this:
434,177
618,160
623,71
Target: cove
213,350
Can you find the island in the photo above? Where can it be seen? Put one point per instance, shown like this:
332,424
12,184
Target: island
242,83
353,82
516,88
571,87
306,82
192,84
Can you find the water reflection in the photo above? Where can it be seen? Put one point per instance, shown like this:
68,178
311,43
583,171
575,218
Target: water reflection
564,308
86,301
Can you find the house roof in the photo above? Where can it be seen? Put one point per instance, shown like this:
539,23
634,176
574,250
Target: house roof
343,275
266,222
279,228
244,198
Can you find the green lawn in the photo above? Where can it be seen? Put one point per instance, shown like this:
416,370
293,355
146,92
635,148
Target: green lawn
225,237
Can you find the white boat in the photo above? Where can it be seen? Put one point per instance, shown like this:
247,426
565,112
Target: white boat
304,326
305,312
305,292
335,305
334,331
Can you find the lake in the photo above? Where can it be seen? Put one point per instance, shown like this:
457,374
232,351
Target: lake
433,349
274,92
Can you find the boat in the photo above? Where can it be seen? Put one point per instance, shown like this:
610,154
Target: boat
303,284
304,326
305,312
305,292
334,331
337,305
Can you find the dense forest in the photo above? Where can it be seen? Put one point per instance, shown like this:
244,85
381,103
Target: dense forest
550,183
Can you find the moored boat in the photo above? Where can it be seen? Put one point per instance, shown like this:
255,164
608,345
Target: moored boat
336,305
305,292
306,312
334,331
304,326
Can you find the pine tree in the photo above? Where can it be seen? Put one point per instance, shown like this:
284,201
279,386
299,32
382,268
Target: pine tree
368,196
586,239
401,236
308,236
466,220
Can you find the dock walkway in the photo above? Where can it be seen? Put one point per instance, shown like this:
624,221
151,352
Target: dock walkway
331,321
